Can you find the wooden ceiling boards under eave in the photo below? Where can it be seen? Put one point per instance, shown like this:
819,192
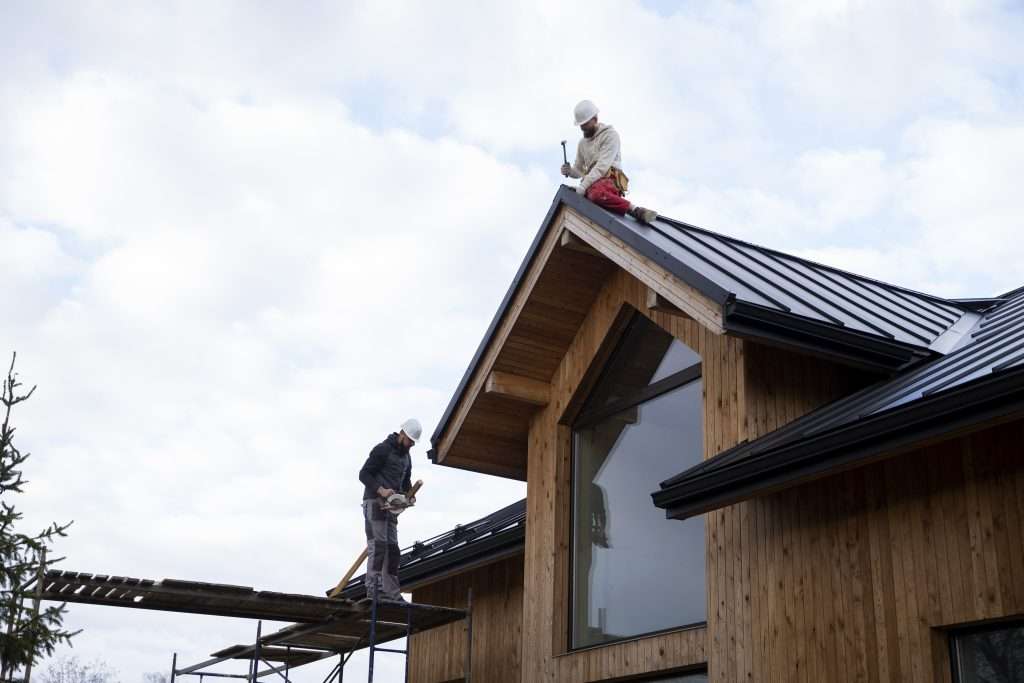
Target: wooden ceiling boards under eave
495,428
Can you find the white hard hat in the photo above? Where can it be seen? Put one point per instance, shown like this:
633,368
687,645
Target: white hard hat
584,111
412,428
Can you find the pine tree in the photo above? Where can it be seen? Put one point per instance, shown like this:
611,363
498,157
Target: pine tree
27,629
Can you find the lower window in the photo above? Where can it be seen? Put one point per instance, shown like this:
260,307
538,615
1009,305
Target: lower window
989,654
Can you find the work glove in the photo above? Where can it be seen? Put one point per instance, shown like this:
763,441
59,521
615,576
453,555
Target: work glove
566,170
580,190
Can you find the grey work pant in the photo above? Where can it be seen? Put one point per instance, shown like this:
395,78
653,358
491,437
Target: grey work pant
382,553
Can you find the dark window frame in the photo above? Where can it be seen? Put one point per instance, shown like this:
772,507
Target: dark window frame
655,677
587,418
974,629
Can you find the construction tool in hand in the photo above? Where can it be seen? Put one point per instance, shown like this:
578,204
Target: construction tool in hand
565,157
397,503
362,556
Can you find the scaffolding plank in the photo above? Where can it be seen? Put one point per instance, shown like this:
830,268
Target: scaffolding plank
191,596
323,627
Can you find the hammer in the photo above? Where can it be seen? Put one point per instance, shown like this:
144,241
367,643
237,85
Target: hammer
566,158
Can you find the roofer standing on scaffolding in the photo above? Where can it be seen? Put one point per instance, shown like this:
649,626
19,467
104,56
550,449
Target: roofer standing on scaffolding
598,165
388,471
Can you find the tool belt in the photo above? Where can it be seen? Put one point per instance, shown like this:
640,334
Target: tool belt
619,178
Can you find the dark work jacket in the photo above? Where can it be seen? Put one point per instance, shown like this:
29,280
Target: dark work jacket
389,465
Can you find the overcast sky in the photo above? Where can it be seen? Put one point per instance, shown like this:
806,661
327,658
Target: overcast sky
241,242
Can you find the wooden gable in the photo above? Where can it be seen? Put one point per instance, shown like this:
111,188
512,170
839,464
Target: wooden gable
489,427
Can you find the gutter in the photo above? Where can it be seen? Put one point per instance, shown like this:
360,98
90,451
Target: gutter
848,346
845,447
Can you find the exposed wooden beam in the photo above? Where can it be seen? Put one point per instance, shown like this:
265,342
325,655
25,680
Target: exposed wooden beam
571,241
476,384
518,388
683,296
656,302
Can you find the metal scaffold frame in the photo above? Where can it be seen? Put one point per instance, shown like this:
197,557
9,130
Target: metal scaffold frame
277,647
323,627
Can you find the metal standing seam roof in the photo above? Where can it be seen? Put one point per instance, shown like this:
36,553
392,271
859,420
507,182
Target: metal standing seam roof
499,534
776,281
769,294
992,350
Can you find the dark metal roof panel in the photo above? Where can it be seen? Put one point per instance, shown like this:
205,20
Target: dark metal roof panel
846,311
995,345
766,277
464,545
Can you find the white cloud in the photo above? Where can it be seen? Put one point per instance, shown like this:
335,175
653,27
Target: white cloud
240,243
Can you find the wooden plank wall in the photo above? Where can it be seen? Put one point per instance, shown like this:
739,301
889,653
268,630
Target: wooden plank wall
778,387
843,579
848,578
548,480
439,655
785,386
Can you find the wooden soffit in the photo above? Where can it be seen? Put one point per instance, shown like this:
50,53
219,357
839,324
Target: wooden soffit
488,427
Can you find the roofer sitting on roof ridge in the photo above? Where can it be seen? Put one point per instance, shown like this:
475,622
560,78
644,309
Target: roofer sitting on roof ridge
599,166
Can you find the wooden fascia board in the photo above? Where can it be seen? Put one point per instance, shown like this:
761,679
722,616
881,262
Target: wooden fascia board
518,388
684,297
486,365
663,283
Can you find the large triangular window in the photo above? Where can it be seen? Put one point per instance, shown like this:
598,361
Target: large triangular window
634,571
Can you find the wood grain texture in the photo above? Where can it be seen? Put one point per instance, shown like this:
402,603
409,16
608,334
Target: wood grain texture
518,388
855,576
542,317
545,613
439,655
851,577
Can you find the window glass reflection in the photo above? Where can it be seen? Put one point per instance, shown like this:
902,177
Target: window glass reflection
646,354
634,571
993,655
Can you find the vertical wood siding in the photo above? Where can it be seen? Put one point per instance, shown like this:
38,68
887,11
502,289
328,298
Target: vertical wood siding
548,513
439,655
775,387
848,578
851,577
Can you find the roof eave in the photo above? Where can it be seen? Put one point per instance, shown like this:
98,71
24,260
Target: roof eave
950,412
847,346
568,197
499,314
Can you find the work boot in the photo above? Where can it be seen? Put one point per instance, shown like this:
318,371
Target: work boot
643,215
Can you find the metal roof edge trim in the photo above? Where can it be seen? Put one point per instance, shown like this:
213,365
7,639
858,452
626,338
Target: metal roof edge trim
567,196
846,446
644,247
855,347
531,252
1011,293
750,320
